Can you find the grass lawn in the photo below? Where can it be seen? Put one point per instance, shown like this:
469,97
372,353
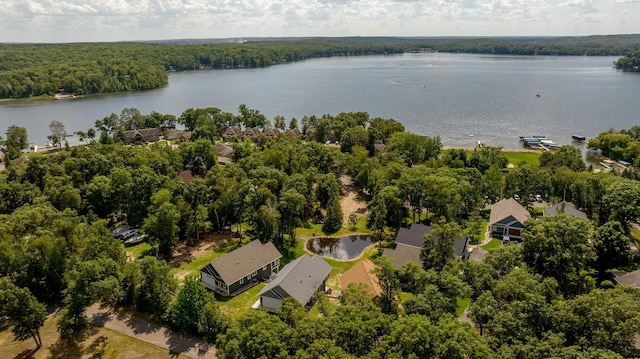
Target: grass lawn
495,243
241,303
97,342
139,250
462,305
532,158
404,296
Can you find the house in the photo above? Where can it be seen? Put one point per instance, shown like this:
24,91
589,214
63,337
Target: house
409,243
565,207
176,135
223,150
507,218
145,135
300,279
241,268
231,133
271,133
362,273
252,133
293,133
631,279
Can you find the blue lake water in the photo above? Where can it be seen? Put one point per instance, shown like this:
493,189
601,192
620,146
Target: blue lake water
495,98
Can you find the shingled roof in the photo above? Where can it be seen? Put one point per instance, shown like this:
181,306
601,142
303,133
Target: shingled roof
362,272
565,207
243,261
299,279
413,236
508,207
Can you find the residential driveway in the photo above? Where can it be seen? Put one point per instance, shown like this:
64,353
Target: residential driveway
176,343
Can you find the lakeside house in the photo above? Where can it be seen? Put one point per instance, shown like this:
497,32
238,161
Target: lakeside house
141,136
300,279
507,218
241,268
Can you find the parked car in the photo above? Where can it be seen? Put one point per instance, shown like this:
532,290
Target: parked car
128,234
135,240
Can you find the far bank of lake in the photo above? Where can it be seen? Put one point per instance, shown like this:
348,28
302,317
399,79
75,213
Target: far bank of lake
494,98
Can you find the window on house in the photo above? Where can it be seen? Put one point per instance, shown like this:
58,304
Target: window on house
264,268
241,280
254,274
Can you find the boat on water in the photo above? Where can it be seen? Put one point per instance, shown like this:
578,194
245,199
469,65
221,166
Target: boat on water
64,96
578,138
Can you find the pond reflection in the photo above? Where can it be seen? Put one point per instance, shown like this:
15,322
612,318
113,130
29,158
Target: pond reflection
343,248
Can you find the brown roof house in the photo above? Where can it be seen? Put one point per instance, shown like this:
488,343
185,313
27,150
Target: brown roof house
252,133
293,133
241,268
271,133
409,243
231,133
362,273
300,279
138,137
565,207
507,218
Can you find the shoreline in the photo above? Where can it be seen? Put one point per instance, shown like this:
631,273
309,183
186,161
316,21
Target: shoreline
513,150
365,249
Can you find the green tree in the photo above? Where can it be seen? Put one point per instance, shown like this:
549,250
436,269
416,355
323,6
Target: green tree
23,309
388,279
622,198
162,224
291,311
333,221
15,142
157,286
438,248
187,309
611,246
558,247
58,133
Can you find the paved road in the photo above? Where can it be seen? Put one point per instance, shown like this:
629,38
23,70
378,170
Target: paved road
175,342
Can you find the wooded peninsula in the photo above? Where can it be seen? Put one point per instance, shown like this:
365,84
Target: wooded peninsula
42,70
545,240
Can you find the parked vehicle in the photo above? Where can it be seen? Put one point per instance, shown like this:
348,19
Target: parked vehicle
128,234
135,240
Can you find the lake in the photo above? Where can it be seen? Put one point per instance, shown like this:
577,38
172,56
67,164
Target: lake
344,248
495,98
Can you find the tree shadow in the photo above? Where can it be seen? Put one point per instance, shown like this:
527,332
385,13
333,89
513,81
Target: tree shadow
74,348
27,353
180,343
139,326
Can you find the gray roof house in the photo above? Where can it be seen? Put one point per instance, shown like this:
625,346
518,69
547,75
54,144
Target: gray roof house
241,268
507,218
565,207
409,243
300,279
631,279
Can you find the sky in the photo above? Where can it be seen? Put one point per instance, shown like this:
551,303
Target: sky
131,20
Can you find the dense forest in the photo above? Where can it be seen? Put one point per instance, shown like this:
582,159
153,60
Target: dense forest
630,62
552,296
28,70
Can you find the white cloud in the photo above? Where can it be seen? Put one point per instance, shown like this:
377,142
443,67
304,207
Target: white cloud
109,20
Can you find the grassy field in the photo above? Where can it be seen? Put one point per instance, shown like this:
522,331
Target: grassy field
532,158
97,342
495,243
462,305
241,303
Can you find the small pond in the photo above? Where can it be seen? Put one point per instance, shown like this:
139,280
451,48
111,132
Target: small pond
344,248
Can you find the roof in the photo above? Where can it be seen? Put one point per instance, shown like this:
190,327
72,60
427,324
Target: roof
403,254
361,272
413,236
508,207
223,150
460,247
478,254
565,207
631,279
299,279
243,261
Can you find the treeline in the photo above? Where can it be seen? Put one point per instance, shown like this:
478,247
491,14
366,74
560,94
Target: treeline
623,145
28,70
630,62
550,297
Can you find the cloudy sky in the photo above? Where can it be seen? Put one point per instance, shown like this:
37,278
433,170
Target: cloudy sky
114,20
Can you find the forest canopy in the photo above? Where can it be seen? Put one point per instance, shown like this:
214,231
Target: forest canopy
30,70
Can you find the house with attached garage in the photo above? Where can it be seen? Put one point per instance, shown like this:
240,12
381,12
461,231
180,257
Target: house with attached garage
241,268
507,218
300,279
